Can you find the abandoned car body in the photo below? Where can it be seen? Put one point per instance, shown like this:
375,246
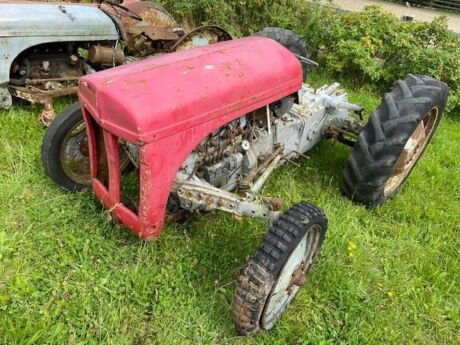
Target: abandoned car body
46,48
241,110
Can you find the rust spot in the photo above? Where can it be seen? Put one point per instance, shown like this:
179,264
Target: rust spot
64,11
275,204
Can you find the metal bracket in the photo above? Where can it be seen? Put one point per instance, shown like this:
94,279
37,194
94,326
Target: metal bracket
306,61
214,198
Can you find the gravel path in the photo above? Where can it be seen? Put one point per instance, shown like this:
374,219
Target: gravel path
423,14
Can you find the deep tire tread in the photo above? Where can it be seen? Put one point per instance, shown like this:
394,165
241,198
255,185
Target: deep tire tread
382,140
265,265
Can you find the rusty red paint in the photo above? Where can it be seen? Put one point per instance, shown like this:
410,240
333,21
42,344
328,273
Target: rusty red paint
183,97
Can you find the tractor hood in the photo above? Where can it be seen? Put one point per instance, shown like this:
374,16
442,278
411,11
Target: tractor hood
43,20
161,96
24,25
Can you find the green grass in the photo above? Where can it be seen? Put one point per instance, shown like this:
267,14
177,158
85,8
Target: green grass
67,275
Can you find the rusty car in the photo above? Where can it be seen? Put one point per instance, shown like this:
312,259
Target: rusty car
46,47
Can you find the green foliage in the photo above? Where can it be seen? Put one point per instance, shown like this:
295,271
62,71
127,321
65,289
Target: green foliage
371,47
240,17
375,47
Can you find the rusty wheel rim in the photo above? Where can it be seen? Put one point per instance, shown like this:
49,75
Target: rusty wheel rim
292,276
412,151
74,155
200,37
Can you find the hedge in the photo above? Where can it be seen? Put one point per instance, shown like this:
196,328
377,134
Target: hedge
371,46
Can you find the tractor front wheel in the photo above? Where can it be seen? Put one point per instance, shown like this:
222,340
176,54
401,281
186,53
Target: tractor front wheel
272,278
394,139
65,152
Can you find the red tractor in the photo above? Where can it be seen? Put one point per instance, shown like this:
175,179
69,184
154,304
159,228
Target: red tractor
203,129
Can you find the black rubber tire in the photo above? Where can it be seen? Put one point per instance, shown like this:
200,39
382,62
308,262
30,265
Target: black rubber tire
51,146
257,278
382,140
288,39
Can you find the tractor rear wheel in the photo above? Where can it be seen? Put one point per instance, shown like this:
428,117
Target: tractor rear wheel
271,279
394,139
288,39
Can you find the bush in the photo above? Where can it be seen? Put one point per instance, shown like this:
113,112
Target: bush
371,46
239,17
375,47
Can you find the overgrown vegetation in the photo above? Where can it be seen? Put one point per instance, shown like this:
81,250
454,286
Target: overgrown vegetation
370,47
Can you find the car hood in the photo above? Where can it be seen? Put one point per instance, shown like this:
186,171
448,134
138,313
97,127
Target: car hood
41,20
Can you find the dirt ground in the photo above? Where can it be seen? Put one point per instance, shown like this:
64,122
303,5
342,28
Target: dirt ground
423,14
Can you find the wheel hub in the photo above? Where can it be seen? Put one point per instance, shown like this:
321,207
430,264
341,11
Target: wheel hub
298,278
412,151
74,155
292,276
